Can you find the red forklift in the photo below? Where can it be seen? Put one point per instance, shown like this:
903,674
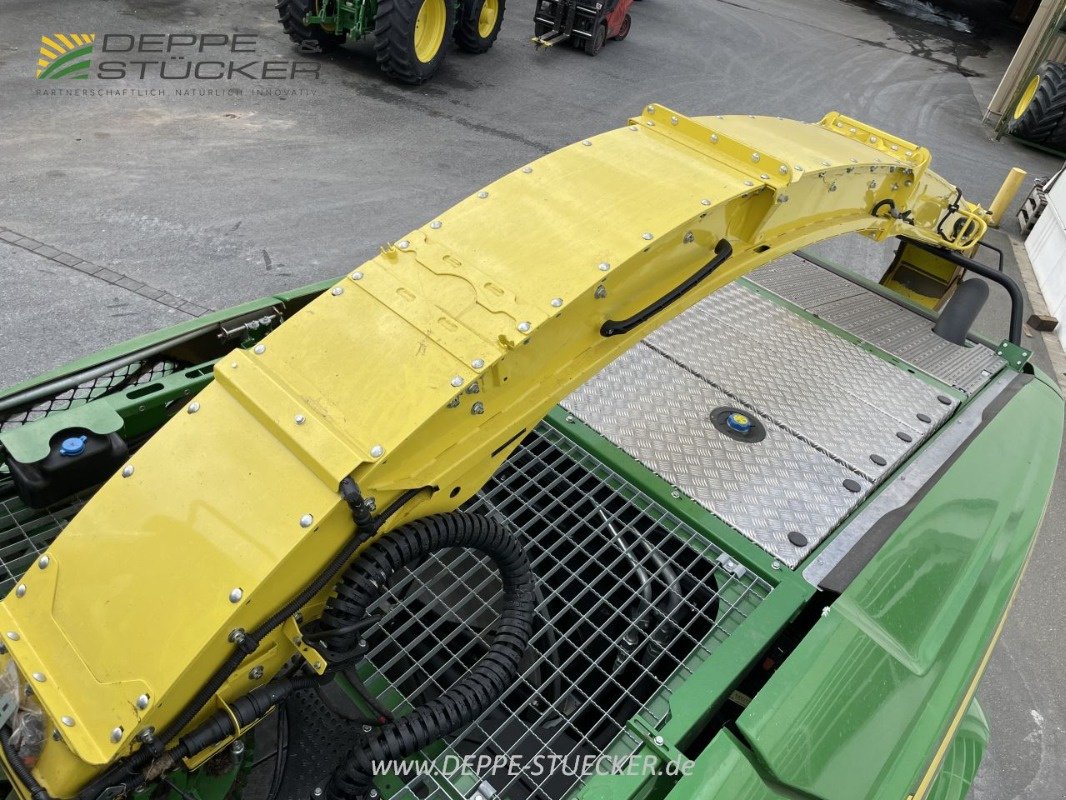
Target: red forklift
586,24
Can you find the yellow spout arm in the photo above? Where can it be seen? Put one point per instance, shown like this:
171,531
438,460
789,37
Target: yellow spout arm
422,367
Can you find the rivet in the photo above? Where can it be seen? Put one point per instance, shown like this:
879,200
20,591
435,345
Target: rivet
764,177
127,470
233,365
403,244
482,194
527,170
116,735
43,562
852,130
647,236
20,590
337,291
755,157
306,521
673,120
235,595
142,702
895,147
651,109
357,276
259,349
457,381
705,202
797,539
714,138
193,408
783,169
524,327
68,721
477,408
435,224
478,363
650,123
633,127
299,419
604,266
878,459
39,677
377,451
557,302
924,418
798,168
748,183
587,143
873,139
943,398
904,437
852,486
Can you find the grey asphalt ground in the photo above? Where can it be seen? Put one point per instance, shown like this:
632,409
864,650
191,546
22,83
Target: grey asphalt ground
219,199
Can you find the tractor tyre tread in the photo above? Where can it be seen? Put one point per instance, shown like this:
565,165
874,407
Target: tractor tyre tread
1042,118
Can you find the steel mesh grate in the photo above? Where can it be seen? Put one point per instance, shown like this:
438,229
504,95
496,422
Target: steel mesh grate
26,532
124,377
631,601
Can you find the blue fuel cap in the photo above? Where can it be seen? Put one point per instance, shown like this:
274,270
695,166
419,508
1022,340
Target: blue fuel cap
74,446
738,422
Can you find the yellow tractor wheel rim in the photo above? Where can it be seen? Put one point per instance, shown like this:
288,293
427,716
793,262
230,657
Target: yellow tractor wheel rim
486,21
429,29
1027,96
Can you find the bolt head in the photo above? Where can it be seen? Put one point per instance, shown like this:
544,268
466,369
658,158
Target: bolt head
604,266
127,470
557,302
755,157
659,740
236,635
705,202
477,408
13,636
482,194
256,673
337,291
527,170
748,183
435,224
43,562
377,451
142,702
457,381
775,564
20,590
68,721
673,120
237,748
299,419
478,363
193,408
236,594
403,244
587,143
306,521
259,349
39,677
357,276
714,138
116,735
524,327
783,169
647,236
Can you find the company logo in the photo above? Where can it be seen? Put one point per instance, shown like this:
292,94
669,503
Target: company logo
65,55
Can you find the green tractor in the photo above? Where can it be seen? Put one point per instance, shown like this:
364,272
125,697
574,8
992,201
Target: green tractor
409,35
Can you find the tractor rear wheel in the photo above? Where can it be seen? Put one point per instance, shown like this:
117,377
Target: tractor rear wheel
1039,114
596,43
478,25
291,13
410,36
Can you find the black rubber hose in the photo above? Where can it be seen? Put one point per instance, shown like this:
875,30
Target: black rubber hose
366,580
22,772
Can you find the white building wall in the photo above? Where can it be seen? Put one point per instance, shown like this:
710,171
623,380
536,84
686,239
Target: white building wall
1046,246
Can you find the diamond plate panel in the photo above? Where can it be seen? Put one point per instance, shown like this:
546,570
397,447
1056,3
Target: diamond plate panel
843,400
879,321
659,413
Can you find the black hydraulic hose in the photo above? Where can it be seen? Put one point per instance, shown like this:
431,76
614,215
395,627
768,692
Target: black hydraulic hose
365,527
22,772
367,579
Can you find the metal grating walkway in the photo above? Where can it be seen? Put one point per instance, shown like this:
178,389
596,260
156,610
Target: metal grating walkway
631,602
877,320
